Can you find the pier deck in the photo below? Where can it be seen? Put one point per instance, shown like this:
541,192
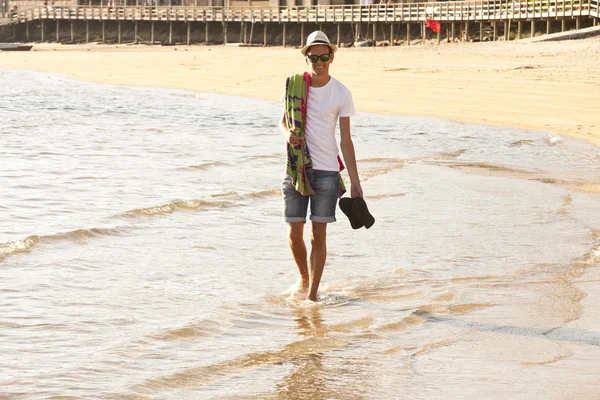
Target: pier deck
391,22
456,11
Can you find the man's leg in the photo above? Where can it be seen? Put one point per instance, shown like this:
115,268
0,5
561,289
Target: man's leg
318,254
295,207
298,248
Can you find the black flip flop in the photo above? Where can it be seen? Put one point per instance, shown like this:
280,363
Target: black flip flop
346,207
361,212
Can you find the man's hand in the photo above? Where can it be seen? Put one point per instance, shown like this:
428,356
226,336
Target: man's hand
292,138
356,190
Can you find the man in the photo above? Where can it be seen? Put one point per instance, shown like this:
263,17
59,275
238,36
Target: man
328,101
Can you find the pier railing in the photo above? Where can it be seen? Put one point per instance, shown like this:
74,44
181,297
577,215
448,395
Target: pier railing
410,12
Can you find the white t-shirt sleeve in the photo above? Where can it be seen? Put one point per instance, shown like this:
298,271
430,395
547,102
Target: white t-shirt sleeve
347,109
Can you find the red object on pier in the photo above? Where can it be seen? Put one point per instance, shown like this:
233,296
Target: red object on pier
433,25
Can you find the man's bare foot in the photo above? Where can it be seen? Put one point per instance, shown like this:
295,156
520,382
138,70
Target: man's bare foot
304,284
299,290
311,298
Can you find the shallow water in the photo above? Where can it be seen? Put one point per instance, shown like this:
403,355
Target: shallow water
143,255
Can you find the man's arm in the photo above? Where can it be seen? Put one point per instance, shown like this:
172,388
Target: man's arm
349,157
288,134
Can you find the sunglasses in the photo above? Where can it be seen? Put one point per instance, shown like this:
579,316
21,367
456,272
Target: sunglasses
324,57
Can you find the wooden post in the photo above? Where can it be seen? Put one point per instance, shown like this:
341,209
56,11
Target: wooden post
135,32
467,31
302,35
72,32
265,34
532,28
152,32
563,25
495,31
87,31
245,33
453,31
578,23
338,35
251,31
506,30
439,35
206,33
27,30
408,34
283,35
170,33
374,34
119,32
548,27
391,34
519,29
57,31
42,28
481,31
103,32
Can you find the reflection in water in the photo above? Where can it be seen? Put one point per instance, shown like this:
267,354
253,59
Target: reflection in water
308,379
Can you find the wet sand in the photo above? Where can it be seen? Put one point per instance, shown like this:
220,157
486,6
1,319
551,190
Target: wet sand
551,86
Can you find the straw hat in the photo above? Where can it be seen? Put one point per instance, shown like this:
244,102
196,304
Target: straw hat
315,38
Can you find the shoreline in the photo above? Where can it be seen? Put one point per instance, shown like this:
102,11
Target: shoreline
549,86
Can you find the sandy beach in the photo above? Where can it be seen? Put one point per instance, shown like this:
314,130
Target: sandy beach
550,86
143,253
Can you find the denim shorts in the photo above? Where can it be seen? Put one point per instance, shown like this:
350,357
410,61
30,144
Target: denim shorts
325,184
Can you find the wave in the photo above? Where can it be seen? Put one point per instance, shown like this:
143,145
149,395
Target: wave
251,195
371,173
204,328
210,165
490,167
170,208
518,173
521,142
405,324
319,338
385,196
263,193
27,244
397,163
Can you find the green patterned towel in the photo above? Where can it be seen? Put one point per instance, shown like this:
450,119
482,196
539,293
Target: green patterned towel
298,157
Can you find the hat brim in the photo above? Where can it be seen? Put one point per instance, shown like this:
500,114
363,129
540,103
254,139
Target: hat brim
333,47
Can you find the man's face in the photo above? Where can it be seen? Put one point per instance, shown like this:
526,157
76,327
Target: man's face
320,67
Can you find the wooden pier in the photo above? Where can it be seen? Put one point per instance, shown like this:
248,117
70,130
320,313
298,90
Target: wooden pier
392,22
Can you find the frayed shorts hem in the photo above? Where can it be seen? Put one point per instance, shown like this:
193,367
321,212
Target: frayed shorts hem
324,220
294,219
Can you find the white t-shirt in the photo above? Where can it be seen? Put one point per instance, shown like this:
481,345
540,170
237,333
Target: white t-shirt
325,105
